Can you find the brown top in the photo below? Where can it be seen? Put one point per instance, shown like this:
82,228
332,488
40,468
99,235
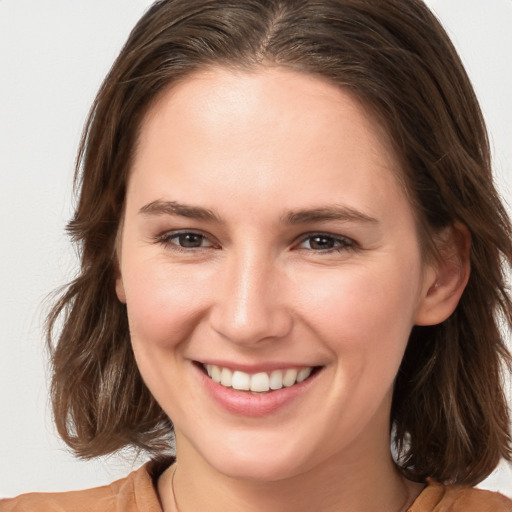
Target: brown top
137,493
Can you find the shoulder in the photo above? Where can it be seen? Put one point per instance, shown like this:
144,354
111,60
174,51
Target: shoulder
135,493
440,498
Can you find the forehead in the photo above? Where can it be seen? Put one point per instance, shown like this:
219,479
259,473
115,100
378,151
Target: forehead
230,98
272,127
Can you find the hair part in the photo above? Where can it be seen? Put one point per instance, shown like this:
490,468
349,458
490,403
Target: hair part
449,410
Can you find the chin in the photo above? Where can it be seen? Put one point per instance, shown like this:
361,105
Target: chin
257,459
259,468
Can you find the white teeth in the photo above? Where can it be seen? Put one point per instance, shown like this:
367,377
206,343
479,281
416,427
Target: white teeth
276,379
215,373
241,381
303,374
258,382
290,377
226,377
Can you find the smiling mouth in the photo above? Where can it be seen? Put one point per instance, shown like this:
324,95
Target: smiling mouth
261,382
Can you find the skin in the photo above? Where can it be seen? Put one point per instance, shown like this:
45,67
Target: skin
254,288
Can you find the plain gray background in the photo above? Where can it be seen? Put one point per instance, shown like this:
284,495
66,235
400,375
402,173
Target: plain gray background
53,56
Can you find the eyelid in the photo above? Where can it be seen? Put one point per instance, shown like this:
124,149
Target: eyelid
165,238
341,242
344,243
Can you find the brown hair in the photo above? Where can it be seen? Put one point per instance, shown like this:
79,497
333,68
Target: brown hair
449,411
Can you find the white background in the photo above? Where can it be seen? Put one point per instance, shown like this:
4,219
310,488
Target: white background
53,56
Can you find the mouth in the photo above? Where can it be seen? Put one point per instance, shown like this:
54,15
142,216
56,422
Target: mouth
260,382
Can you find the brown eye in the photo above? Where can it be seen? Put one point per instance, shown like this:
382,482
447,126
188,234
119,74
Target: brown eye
189,240
185,240
321,242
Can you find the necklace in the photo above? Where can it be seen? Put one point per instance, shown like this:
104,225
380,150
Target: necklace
176,508
172,489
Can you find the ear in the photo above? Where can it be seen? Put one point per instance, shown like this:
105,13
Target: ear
121,295
447,277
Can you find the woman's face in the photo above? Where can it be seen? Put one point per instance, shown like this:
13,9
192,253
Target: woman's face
266,240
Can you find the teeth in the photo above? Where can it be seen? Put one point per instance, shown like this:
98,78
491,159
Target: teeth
290,377
304,373
226,377
276,379
241,381
258,382
215,373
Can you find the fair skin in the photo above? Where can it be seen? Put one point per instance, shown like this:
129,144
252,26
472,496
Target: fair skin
265,230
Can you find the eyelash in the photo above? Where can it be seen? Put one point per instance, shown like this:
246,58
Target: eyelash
166,239
339,243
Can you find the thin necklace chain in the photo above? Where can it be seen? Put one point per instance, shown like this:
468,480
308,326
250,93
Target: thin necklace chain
172,488
405,508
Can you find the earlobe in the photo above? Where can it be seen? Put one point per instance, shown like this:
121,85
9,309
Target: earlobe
121,295
447,277
120,289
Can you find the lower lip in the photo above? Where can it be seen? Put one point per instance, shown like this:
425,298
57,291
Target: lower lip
245,403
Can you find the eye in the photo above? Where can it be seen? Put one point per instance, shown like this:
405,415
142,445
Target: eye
324,242
185,240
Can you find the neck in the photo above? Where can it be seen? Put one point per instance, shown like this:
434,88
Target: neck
335,486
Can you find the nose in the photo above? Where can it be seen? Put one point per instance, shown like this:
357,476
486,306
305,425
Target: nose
250,305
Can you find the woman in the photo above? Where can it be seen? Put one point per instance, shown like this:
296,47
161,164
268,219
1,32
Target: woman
291,247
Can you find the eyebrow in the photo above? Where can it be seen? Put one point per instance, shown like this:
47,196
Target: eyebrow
327,213
302,216
160,207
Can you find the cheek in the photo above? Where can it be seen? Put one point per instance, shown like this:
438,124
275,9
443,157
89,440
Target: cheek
164,308
366,311
163,303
